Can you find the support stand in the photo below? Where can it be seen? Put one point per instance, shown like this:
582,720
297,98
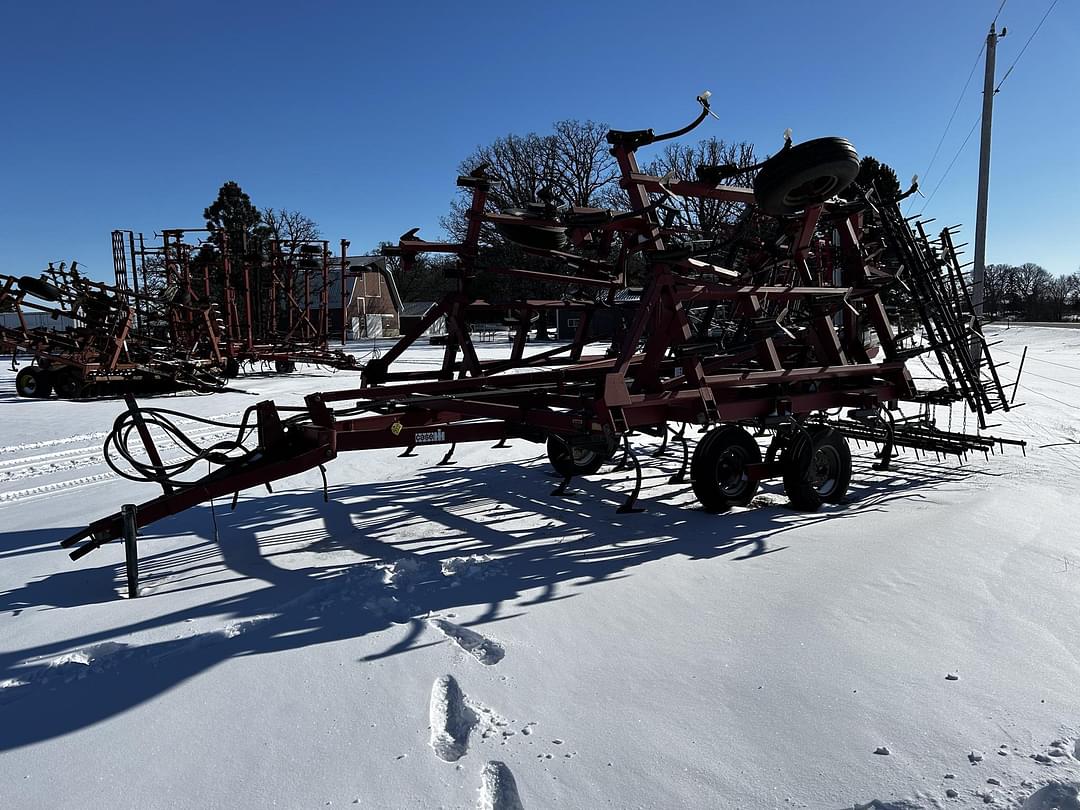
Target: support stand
127,517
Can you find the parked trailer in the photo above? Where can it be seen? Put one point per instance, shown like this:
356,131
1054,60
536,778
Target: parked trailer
764,329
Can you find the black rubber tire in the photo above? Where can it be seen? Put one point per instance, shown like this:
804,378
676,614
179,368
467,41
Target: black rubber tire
39,288
817,468
67,384
539,237
579,461
284,366
232,368
33,382
805,175
718,468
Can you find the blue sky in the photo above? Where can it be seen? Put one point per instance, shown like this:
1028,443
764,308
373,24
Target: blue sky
126,115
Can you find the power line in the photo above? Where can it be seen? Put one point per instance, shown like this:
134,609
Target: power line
964,90
1033,33
948,124
948,169
1003,2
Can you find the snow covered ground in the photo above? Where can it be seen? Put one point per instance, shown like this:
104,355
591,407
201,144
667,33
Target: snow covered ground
454,637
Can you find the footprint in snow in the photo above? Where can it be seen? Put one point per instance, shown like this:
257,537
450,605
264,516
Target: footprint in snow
1054,796
451,720
498,791
483,649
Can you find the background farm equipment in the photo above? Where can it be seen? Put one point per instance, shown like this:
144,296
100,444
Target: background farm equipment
272,305
762,328
180,315
107,348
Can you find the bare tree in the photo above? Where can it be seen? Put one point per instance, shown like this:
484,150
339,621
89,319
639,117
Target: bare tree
996,281
573,164
583,171
681,160
287,226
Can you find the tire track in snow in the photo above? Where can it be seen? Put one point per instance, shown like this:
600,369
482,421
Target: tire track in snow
66,461
90,437
47,489
85,437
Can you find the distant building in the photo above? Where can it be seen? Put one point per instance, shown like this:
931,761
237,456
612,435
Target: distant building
606,322
36,320
374,301
414,312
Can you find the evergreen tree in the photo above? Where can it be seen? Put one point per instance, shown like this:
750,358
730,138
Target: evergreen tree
234,214
875,174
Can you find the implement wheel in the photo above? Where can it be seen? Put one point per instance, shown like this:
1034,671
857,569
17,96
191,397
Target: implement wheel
817,468
67,384
718,468
33,382
39,288
574,461
284,366
805,175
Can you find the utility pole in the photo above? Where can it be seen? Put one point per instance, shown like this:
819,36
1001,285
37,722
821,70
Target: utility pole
979,271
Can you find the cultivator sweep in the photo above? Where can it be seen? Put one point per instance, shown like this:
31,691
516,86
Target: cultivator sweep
778,324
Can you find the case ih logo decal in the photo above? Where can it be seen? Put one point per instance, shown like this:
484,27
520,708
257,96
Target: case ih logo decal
431,437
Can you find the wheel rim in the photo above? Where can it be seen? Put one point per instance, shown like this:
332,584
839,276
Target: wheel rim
66,386
817,189
30,384
825,470
582,456
731,472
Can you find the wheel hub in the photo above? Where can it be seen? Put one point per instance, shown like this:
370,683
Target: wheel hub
731,471
816,189
825,470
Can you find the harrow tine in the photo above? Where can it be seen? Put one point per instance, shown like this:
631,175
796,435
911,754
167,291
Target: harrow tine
560,490
680,476
628,505
446,459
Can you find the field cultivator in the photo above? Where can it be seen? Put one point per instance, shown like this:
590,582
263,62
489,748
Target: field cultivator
775,328
272,309
108,348
160,326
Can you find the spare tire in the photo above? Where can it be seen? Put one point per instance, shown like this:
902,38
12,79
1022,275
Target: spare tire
805,175
39,288
538,237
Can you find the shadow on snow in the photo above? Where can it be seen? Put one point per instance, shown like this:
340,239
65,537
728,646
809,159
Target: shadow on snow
542,546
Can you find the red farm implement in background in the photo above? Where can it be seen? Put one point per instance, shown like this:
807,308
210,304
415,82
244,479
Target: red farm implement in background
272,308
115,340
179,316
780,325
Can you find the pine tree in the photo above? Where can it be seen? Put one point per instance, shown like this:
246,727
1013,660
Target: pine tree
233,214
